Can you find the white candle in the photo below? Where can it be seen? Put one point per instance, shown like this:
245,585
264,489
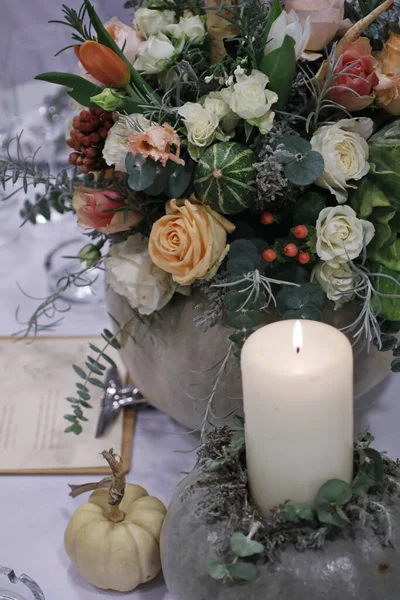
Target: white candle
298,405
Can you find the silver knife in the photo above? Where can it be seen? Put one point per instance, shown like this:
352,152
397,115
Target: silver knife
115,397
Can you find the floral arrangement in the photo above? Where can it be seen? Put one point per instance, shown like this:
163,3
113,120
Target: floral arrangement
249,149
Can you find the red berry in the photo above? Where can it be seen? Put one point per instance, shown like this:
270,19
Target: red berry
85,141
90,152
86,127
88,162
108,124
269,255
73,158
304,257
85,115
71,143
94,138
76,121
300,232
267,218
96,111
79,160
103,132
95,122
290,250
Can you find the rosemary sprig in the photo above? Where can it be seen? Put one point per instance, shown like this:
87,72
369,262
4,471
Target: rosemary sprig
76,21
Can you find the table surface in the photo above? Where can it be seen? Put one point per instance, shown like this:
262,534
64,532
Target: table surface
35,509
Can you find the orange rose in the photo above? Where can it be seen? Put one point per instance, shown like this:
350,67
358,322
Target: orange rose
189,241
388,89
101,210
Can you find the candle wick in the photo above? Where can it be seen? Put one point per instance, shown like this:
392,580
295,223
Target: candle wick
297,350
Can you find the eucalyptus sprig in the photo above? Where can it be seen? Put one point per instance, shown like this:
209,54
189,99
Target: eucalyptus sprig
93,375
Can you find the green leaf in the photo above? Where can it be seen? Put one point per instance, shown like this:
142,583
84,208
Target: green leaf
370,471
242,546
95,348
83,395
238,422
78,412
244,264
73,400
389,308
245,319
301,297
304,511
82,387
287,512
308,207
388,342
248,130
334,491
280,66
141,174
67,79
331,516
389,257
274,12
240,248
70,418
85,404
238,441
74,428
96,382
242,571
80,372
215,465
308,312
94,368
306,169
216,569
395,365
180,179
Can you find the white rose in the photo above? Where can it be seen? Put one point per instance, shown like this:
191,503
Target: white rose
289,24
336,281
150,22
345,153
201,124
116,146
341,235
250,100
190,26
132,274
155,54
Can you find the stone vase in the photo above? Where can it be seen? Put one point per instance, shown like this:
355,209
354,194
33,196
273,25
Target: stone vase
170,360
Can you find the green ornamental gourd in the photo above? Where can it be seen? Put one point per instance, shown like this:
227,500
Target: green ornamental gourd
225,177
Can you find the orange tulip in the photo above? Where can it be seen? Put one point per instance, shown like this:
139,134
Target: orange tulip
103,64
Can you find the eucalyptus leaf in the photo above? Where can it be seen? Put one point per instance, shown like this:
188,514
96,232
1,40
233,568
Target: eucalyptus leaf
330,516
142,176
334,491
180,179
238,441
308,312
216,569
80,372
242,546
287,512
304,511
245,319
242,571
238,422
395,365
294,145
240,248
305,170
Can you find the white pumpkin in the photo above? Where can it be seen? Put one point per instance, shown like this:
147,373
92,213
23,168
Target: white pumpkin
113,547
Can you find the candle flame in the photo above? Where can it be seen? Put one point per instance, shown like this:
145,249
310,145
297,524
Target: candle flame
297,336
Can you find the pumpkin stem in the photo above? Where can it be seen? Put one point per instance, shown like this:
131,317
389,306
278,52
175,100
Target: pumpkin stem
116,489
115,484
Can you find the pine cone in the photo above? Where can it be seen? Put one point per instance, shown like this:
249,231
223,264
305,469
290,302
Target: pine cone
87,138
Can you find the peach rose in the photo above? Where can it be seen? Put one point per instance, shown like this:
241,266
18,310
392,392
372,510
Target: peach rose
189,241
125,37
357,66
326,19
388,89
98,209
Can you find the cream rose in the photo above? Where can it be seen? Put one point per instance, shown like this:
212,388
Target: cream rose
190,26
132,274
341,235
116,146
189,241
345,153
201,124
155,54
336,281
150,22
251,101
